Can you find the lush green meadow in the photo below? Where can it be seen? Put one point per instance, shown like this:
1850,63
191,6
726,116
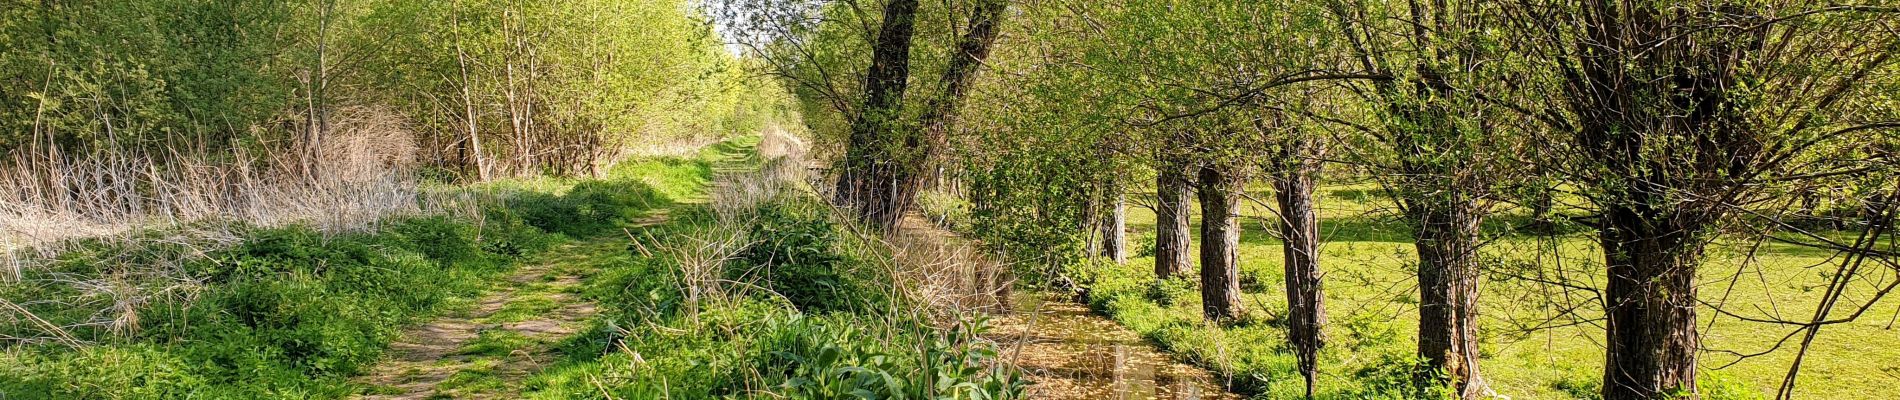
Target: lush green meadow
1534,347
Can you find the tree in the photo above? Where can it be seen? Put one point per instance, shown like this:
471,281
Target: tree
1435,153
1220,183
1674,118
1294,172
886,156
1172,208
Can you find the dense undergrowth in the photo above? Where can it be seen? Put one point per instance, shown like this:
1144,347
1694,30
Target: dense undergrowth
765,293
228,310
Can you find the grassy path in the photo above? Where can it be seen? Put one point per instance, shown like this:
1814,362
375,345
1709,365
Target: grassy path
486,350
490,348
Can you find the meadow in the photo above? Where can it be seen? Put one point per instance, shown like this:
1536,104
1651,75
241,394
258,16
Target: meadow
1539,340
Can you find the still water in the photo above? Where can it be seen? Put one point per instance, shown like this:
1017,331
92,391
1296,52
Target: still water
1071,353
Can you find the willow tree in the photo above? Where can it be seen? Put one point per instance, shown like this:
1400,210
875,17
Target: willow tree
891,137
1435,148
1675,118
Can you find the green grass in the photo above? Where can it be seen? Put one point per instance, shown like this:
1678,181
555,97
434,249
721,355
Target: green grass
495,342
294,313
287,312
815,326
1372,302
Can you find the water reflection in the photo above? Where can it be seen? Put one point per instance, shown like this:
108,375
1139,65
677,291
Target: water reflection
1071,353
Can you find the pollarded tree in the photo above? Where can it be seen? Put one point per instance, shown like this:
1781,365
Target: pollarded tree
893,138
1675,117
1435,148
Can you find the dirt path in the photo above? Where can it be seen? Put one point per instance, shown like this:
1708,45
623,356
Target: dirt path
485,351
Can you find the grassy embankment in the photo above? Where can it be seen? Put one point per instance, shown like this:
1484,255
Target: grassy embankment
765,292
293,312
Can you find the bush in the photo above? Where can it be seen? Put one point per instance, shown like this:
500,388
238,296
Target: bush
1145,244
796,253
1173,290
945,209
832,359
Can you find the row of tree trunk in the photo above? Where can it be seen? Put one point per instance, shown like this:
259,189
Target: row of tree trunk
1219,188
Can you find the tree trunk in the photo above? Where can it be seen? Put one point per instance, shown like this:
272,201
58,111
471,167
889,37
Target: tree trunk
468,99
1114,229
1171,220
1299,232
1652,309
1446,237
886,159
1220,242
863,184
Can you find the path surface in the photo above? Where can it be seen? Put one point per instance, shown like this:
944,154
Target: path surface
484,351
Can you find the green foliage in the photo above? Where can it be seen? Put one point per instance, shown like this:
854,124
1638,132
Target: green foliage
597,75
946,209
100,74
650,341
1173,290
832,361
591,207
286,312
1143,244
794,252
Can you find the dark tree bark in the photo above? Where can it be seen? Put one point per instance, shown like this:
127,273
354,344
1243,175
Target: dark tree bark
1220,190
1657,206
1172,208
1652,307
888,159
1293,187
1447,242
866,182
1114,228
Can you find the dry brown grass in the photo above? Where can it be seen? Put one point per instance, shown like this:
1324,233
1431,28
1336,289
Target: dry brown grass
360,173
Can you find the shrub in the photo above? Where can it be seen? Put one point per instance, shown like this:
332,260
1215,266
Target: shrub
1144,244
945,209
795,253
1173,290
821,358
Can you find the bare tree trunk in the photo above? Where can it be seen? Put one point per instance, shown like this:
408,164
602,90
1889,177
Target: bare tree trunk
886,159
1652,308
866,183
1220,242
1447,241
1171,220
1299,231
1114,228
468,99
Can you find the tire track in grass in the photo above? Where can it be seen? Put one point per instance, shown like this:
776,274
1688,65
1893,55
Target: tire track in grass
487,350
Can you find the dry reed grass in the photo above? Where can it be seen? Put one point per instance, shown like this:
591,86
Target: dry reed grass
360,173
162,211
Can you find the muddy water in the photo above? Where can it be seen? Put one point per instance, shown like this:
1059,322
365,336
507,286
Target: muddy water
1070,353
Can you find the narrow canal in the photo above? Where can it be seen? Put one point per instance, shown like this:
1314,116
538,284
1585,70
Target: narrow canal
1071,353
